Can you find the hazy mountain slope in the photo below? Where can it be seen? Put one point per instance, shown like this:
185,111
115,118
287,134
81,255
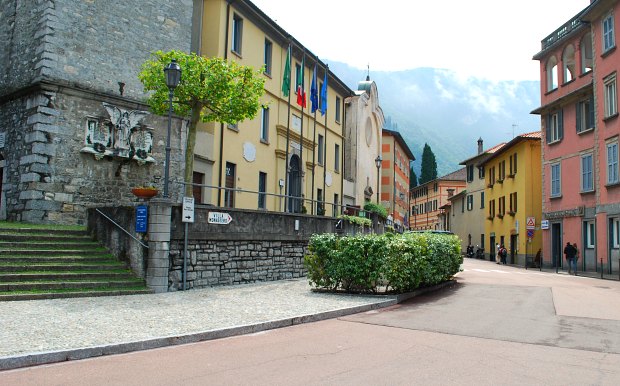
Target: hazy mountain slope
448,112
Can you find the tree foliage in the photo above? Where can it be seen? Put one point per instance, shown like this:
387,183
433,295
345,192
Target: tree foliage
429,165
413,178
210,90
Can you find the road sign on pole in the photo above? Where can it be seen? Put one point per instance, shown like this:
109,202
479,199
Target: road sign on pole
188,209
530,223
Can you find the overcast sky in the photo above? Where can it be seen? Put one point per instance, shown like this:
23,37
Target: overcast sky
491,39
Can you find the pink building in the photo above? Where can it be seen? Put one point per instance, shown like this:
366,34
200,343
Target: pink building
580,128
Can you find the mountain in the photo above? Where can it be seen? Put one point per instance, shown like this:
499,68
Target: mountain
450,112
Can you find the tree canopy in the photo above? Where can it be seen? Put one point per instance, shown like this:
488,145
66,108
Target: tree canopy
413,178
210,90
429,165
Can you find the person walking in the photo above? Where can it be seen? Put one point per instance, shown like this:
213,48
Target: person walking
576,259
503,253
569,253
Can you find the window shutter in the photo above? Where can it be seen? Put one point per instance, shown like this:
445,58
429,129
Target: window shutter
548,128
578,109
560,125
591,113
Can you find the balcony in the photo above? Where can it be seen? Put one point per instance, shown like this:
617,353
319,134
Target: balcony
561,32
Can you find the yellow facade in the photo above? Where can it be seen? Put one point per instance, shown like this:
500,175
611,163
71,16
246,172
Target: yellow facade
239,156
515,170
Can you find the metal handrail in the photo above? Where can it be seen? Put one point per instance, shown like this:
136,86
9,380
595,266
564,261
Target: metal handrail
121,228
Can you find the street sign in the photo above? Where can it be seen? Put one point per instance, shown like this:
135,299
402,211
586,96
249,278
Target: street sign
141,218
221,218
530,223
530,233
188,209
544,224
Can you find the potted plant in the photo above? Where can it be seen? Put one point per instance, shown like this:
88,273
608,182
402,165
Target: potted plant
145,192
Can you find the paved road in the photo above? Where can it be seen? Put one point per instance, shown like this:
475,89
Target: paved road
499,326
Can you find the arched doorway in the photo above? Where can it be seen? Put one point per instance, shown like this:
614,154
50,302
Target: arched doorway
294,178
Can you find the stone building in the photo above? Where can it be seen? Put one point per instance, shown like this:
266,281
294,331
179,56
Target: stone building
74,131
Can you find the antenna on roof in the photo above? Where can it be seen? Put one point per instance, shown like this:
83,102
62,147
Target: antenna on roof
368,73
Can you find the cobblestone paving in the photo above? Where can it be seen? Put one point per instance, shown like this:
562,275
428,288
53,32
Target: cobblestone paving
52,325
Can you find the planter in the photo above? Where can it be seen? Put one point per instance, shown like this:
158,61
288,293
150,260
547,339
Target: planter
145,193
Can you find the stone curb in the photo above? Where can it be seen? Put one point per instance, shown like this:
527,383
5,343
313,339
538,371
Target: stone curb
40,358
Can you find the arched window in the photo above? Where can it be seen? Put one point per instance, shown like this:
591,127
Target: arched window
568,63
585,46
552,74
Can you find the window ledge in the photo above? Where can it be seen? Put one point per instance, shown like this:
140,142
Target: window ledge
609,118
233,128
512,175
612,184
512,213
237,54
587,192
490,218
268,75
586,131
567,83
264,141
500,181
500,216
551,91
555,197
554,142
588,72
490,186
608,52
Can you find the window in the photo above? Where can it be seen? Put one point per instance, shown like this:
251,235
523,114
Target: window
470,173
555,127
611,96
502,171
337,109
197,180
237,32
614,223
568,63
336,204
434,204
321,149
513,203
481,200
336,157
590,235
491,209
501,203
608,33
320,208
229,193
587,181
264,124
491,176
612,163
262,188
552,74
585,47
585,114
435,187
513,165
481,172
462,205
556,180
267,56
470,202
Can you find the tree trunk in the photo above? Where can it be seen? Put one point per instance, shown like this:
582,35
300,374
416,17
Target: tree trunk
189,150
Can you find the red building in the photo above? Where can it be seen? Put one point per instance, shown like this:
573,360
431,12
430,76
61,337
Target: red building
429,200
580,128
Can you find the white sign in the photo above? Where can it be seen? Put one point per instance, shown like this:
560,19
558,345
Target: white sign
544,224
188,209
530,223
219,218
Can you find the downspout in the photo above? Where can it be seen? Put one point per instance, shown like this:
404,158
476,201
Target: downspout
219,181
343,164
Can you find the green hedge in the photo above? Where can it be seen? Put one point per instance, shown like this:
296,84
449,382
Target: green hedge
382,263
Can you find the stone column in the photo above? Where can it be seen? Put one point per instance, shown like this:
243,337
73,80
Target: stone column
160,216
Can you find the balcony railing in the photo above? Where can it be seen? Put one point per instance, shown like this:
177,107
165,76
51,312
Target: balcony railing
564,30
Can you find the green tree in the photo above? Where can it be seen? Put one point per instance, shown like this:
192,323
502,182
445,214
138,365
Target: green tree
429,165
413,178
211,90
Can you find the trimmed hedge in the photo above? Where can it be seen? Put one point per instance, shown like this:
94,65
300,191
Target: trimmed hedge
382,263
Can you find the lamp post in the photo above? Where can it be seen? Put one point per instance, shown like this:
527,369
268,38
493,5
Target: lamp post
172,72
378,163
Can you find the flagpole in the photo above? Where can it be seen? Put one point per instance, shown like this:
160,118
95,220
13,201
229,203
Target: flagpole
288,126
325,145
302,170
313,143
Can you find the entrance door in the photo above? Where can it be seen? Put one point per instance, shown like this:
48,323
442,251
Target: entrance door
294,178
513,248
229,195
492,251
556,245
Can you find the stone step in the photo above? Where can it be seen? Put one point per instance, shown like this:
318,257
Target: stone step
60,259
69,294
99,251
69,285
64,275
43,244
42,231
56,237
39,267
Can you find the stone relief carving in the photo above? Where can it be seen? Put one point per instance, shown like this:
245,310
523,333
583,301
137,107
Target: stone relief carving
122,136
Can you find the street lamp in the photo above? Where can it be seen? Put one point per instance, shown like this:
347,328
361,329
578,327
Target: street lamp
378,163
172,72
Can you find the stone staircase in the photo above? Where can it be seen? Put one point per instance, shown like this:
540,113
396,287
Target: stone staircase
39,262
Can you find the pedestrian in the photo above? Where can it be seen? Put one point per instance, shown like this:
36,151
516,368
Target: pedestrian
503,253
498,257
569,253
576,259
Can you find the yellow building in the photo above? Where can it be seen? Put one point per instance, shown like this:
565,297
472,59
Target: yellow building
514,195
254,155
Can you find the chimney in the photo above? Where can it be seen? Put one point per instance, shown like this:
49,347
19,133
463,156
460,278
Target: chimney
479,145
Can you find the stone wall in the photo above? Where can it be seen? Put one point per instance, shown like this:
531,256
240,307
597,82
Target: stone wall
255,246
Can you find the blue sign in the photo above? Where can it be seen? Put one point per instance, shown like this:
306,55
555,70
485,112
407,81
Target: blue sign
141,218
530,233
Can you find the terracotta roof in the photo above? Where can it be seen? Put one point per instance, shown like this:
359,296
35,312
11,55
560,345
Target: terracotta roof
534,136
486,152
458,175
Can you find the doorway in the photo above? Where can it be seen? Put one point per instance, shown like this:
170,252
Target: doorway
514,242
294,191
229,193
556,245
